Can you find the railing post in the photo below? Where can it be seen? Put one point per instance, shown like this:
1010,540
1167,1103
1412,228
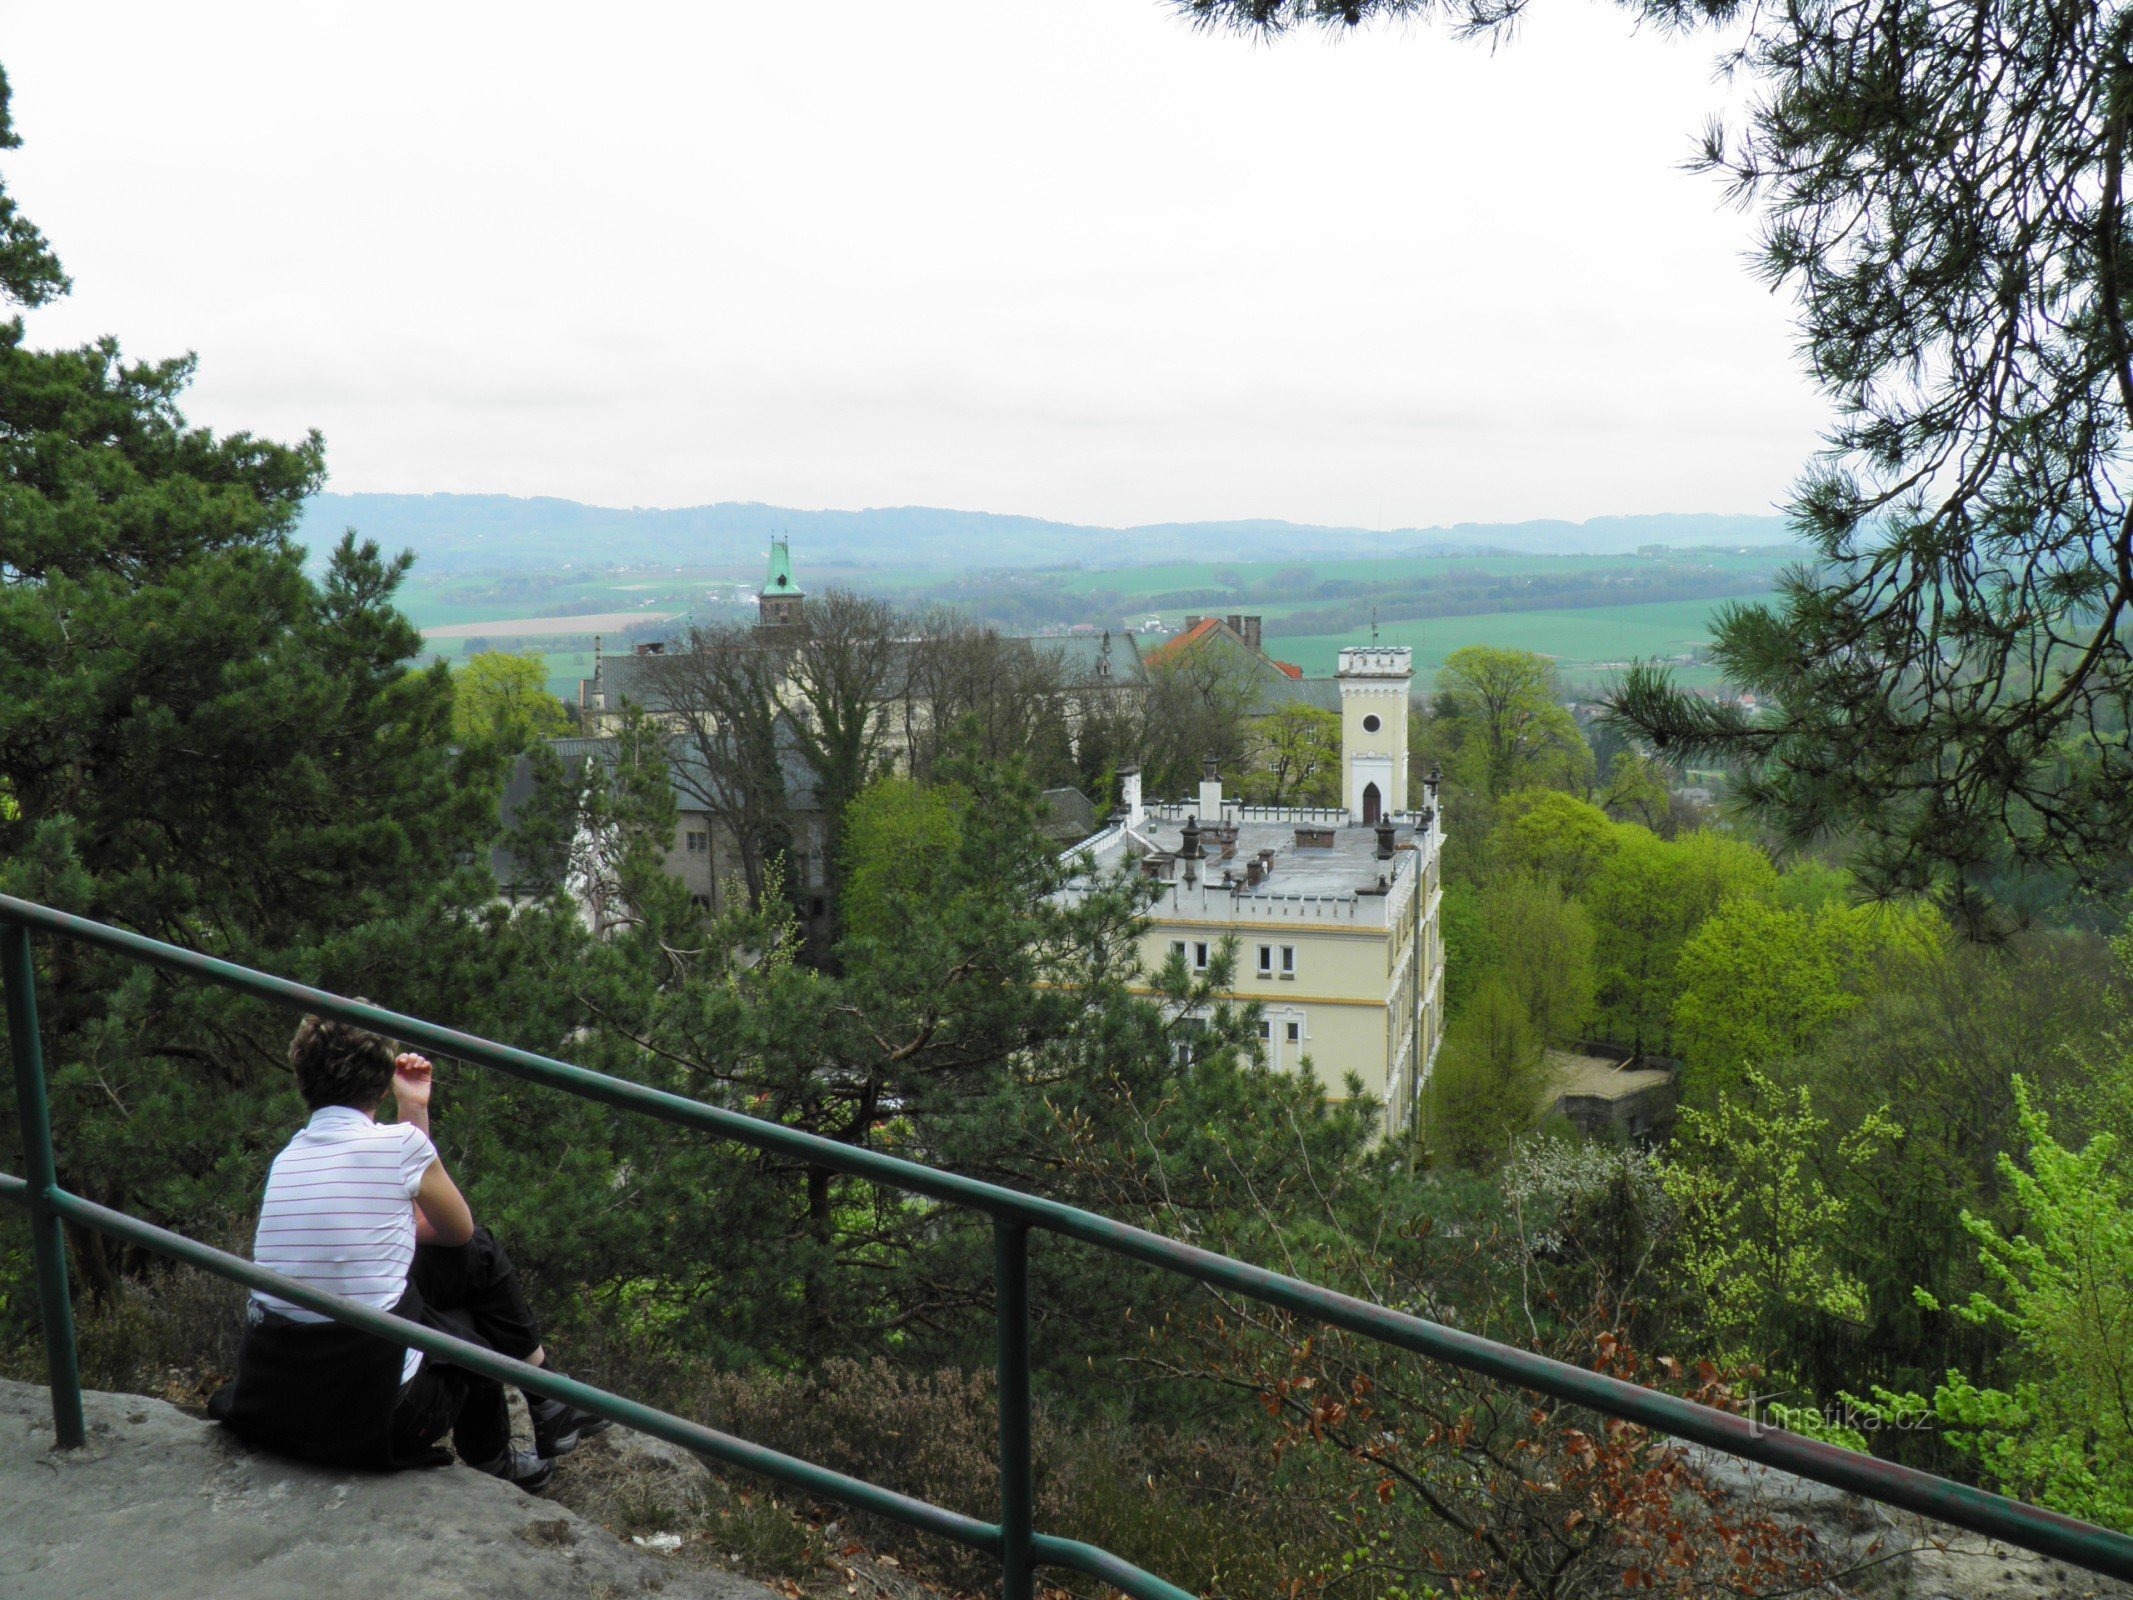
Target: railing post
48,1242
1010,1241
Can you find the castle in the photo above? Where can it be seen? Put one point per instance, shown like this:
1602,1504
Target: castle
1336,912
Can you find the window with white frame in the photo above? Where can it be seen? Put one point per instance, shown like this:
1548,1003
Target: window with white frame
1266,961
1288,961
699,843
1199,955
1295,1032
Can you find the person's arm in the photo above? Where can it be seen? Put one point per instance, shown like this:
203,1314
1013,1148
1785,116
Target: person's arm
413,1077
441,1213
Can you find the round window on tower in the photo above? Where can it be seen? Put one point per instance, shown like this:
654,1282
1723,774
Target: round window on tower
1371,724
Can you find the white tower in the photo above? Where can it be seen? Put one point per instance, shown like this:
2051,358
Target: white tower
1374,680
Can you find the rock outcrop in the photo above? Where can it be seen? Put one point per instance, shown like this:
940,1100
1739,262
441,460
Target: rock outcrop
162,1504
1894,1555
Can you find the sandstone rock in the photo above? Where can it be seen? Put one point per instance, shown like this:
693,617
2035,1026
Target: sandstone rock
161,1504
1899,1556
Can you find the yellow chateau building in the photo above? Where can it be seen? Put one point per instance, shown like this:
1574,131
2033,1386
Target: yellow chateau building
1336,911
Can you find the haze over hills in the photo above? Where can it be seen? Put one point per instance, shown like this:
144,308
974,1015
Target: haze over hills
454,533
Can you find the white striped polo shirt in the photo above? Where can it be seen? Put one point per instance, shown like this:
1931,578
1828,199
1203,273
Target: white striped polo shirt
339,1213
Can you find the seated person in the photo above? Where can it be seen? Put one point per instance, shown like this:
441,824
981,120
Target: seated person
366,1210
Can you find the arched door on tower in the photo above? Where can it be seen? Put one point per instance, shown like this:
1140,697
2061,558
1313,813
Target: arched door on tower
1373,805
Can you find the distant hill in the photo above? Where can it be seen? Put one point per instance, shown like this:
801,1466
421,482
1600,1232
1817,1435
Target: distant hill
476,532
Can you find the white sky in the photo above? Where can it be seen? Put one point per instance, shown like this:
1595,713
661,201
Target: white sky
1061,257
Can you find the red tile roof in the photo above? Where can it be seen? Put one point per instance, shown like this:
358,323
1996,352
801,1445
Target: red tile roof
1191,636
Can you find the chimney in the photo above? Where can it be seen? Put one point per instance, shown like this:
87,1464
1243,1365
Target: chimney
1436,777
1129,796
1189,854
1254,872
1210,792
1193,622
1250,630
1236,625
1385,839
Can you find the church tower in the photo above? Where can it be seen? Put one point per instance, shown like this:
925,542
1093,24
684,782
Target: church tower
1374,680
778,606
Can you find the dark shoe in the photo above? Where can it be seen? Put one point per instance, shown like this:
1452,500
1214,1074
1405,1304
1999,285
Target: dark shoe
524,1468
558,1425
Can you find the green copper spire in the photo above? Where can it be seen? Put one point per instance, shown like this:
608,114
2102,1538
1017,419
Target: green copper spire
780,580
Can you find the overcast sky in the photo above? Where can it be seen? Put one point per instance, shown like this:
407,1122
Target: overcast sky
1061,257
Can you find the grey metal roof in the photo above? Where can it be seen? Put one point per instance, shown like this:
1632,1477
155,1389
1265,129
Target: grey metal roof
1093,657
1350,867
1322,694
1066,815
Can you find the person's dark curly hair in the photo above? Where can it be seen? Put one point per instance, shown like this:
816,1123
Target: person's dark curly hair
339,1064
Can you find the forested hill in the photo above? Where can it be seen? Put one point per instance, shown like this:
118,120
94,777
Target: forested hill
469,532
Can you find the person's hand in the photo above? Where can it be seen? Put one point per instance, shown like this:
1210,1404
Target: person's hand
412,1077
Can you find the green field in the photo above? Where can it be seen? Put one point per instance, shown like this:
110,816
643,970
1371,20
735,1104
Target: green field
1586,644
1137,581
1589,643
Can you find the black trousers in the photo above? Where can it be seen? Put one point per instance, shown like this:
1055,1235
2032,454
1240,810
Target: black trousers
471,1291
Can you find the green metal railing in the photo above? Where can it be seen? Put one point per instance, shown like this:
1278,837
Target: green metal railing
1014,1539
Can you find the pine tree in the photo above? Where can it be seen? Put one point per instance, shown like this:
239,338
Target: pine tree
202,743
1943,190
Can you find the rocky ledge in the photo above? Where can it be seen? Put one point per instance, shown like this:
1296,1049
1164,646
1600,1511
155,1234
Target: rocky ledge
161,1503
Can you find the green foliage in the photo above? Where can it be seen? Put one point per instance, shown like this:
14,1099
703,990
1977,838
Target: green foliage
1548,831
1543,944
896,835
1759,982
1646,900
30,275
1486,1090
503,700
1635,791
1502,711
1295,756
1761,1228
2062,1289
1469,945
200,742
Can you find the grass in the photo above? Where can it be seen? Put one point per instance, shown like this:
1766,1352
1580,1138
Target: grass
1130,581
1587,643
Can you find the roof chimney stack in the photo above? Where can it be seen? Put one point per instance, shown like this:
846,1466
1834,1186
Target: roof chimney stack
1210,792
1385,838
1250,630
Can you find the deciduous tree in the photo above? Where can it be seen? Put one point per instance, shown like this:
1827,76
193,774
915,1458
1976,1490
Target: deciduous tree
1504,712
503,699
1486,1090
1295,756
1645,901
2060,1428
1759,983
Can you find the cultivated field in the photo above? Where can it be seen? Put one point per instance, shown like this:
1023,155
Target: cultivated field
1589,642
